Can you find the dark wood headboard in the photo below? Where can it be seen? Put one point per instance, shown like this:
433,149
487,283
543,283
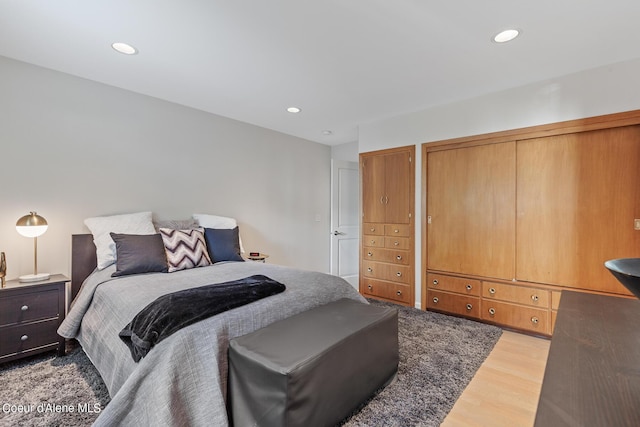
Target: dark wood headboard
83,260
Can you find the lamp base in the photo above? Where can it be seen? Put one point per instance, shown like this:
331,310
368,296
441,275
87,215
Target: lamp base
34,277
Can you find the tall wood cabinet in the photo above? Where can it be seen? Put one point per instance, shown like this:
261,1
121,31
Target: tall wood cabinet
513,218
387,253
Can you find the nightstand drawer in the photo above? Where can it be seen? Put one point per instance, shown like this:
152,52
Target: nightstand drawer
28,307
21,338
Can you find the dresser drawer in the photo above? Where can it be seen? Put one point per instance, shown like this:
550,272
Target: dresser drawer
28,307
21,338
373,241
398,230
392,291
517,294
452,303
373,229
396,242
394,273
453,284
387,255
516,316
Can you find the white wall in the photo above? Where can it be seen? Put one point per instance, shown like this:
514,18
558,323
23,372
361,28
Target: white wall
71,148
347,152
599,91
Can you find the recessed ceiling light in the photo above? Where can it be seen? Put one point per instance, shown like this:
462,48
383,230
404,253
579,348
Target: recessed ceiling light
125,48
293,110
506,35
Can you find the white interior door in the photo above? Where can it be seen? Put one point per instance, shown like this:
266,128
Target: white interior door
345,220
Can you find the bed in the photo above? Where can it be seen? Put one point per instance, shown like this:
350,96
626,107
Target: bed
183,379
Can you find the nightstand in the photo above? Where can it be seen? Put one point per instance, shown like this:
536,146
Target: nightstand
30,314
257,256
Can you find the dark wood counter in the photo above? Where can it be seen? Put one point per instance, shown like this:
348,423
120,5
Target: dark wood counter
592,377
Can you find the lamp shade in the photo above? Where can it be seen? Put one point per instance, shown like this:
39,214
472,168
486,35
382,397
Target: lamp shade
32,225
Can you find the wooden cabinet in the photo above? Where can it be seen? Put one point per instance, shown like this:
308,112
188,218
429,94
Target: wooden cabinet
386,177
530,212
471,215
387,258
578,196
30,314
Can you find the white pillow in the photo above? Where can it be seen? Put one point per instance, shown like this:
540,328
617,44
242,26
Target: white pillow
215,221
100,227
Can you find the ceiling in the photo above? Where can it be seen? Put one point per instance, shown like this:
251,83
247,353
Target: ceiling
343,62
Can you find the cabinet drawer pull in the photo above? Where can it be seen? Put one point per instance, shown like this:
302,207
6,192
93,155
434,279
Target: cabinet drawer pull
534,320
396,243
469,287
399,293
370,270
469,307
373,242
370,287
534,298
492,291
382,199
492,311
396,231
399,257
373,229
399,274
435,300
435,282
24,337
370,253
24,307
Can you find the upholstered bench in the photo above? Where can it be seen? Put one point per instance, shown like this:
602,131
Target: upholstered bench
312,369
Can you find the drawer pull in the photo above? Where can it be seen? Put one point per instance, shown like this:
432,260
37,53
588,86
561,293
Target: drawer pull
435,300
399,274
24,308
373,229
373,242
370,287
399,293
370,253
435,282
370,270
396,231
396,243
534,298
469,307
24,337
492,311
534,320
469,287
399,257
492,291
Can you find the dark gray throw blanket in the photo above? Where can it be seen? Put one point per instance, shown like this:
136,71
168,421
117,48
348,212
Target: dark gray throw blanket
171,312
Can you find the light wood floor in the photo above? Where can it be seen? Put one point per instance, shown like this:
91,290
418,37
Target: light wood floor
505,390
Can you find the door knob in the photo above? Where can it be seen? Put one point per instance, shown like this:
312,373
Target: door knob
338,233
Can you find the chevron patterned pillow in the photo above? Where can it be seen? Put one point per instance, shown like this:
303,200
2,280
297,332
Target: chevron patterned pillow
185,248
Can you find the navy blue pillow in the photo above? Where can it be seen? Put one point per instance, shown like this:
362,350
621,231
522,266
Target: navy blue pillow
139,253
223,244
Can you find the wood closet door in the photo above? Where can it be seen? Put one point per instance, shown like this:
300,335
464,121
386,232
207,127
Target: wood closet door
399,186
373,188
578,195
471,210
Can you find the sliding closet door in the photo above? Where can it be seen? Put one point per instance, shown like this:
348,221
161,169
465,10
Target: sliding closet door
578,195
471,210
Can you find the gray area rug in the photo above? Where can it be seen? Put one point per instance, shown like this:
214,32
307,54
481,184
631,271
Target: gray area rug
439,355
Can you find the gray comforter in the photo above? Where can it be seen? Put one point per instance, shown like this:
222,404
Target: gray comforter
183,380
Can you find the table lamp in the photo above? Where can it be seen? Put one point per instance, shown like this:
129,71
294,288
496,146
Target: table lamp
33,225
